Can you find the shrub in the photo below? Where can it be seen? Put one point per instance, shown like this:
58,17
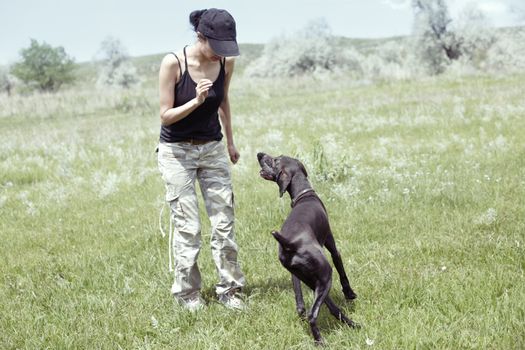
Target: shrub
116,68
44,67
507,54
393,59
7,81
310,51
434,43
439,41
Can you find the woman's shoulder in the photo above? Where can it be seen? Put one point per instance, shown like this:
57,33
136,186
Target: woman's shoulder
171,67
172,64
229,63
230,60
172,58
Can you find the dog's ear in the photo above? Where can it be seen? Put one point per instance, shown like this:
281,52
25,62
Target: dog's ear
283,181
303,169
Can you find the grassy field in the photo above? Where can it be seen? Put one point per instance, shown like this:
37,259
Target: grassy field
424,182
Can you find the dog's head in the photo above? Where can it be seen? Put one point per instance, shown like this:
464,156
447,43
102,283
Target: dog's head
280,170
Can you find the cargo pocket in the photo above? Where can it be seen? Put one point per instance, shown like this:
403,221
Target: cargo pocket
172,192
173,173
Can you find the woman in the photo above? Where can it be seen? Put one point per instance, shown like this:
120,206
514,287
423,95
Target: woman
193,86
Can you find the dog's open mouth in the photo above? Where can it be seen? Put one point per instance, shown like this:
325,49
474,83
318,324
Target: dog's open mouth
266,172
266,175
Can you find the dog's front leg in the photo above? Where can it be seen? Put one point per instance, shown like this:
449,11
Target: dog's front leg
299,302
338,263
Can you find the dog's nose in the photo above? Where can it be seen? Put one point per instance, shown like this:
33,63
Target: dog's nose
260,155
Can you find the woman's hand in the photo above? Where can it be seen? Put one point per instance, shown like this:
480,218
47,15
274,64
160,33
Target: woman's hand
203,86
234,154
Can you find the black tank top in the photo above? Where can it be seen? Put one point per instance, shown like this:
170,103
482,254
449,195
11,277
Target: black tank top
203,122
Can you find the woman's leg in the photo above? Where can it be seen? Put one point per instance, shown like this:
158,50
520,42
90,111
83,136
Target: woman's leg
177,164
215,182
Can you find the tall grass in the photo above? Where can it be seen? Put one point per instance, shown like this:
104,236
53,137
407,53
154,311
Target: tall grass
424,183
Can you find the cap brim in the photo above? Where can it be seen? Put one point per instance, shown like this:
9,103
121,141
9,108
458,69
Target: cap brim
224,48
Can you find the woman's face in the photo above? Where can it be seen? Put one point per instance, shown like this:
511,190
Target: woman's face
208,51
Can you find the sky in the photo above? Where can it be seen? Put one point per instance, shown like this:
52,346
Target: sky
157,26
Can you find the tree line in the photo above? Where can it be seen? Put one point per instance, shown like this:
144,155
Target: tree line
437,44
45,68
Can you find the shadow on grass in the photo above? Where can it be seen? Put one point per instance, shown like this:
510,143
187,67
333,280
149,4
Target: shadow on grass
258,288
272,290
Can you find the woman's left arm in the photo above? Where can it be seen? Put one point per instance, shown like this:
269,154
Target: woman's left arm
225,113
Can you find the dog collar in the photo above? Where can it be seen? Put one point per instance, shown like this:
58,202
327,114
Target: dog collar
301,195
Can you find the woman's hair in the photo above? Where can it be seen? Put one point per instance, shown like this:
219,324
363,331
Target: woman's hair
195,18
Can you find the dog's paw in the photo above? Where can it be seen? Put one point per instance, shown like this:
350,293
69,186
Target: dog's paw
349,294
354,325
320,342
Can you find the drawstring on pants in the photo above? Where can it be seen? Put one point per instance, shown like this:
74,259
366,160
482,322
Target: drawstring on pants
170,239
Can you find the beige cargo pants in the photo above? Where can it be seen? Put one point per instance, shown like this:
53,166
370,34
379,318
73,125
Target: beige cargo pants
181,164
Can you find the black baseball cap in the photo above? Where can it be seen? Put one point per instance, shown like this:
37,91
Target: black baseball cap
218,26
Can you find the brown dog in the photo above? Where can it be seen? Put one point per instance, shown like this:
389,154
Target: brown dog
302,237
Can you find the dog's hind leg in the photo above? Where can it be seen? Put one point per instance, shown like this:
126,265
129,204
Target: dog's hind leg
338,263
299,301
334,310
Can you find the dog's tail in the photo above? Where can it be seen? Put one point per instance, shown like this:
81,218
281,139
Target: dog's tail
280,239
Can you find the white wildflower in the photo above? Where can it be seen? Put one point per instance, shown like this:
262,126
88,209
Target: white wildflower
128,289
346,190
273,137
30,206
154,322
369,341
487,218
500,143
330,145
106,184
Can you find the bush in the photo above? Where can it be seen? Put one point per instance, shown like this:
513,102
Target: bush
393,59
7,81
44,67
434,43
116,68
507,54
440,40
309,51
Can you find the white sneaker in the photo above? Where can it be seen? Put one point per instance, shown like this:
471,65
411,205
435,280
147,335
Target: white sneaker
232,300
191,304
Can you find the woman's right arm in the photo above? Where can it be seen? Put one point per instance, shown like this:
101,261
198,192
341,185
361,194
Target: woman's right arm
169,74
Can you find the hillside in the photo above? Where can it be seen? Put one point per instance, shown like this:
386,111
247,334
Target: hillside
147,66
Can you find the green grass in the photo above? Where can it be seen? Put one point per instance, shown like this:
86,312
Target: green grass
424,182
